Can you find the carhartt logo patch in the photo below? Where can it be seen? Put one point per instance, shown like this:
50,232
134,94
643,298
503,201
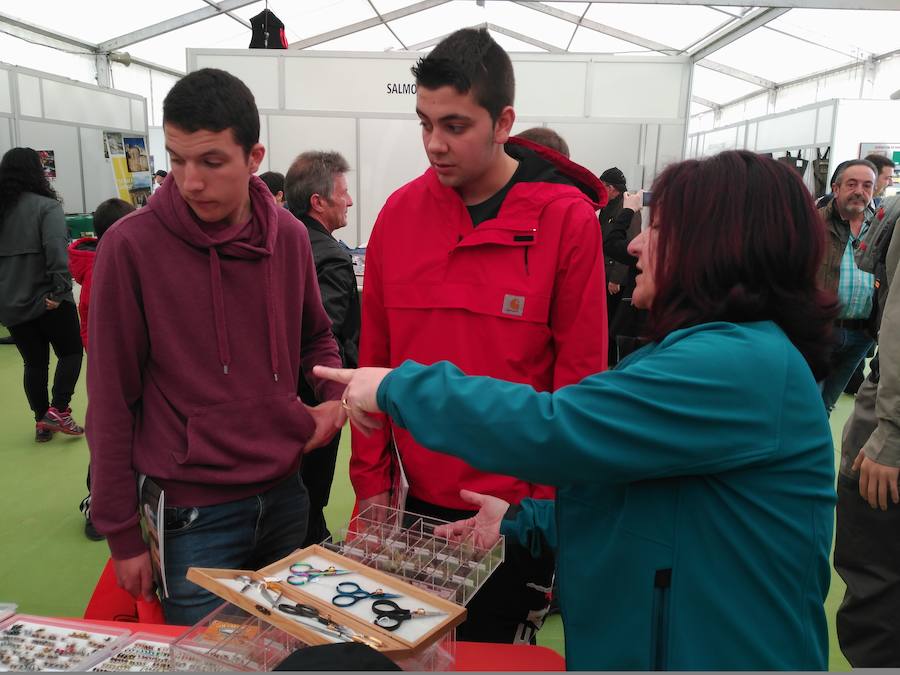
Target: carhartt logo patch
514,305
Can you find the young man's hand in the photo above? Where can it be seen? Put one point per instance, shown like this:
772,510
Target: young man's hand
329,418
135,576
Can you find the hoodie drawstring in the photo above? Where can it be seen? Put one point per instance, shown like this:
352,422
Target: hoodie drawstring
218,301
270,318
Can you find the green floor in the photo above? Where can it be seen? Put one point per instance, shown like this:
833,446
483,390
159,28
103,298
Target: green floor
48,567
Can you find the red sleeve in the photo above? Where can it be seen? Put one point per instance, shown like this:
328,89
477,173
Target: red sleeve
370,460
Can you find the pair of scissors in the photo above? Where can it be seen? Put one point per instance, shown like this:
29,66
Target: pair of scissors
349,593
302,573
329,626
390,616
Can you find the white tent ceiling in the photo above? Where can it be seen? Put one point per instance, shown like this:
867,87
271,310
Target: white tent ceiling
740,50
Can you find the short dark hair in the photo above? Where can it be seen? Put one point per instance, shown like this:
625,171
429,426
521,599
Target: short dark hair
312,173
740,240
546,137
274,181
879,162
161,173
213,100
109,212
839,172
469,59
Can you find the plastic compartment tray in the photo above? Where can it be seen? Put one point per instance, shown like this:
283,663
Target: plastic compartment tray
78,644
403,544
230,639
142,652
7,609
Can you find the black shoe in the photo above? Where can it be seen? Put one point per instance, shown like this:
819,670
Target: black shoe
7,340
42,435
89,530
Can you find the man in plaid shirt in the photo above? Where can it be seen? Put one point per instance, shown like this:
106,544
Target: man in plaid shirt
846,221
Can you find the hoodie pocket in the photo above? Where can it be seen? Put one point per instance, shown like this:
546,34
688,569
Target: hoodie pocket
659,620
246,441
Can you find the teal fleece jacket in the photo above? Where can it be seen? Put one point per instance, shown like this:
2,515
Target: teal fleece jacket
695,500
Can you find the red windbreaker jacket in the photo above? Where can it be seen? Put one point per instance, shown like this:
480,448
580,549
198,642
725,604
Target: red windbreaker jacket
520,297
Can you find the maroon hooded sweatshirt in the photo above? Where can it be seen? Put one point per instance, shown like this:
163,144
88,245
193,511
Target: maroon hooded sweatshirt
198,334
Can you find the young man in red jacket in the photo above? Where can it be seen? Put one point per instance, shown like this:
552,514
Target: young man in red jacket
492,260
205,310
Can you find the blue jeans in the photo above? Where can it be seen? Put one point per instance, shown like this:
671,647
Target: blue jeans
850,349
245,534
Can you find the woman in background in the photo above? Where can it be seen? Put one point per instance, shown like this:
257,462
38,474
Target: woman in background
695,481
36,302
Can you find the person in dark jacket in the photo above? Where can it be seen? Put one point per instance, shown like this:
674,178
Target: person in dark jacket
620,222
36,302
316,190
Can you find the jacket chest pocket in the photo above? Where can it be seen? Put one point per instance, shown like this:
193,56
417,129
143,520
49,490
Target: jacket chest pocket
513,303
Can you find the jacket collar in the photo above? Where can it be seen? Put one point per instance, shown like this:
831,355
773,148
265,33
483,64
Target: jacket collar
314,224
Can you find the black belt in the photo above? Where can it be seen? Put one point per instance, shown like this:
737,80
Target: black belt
852,324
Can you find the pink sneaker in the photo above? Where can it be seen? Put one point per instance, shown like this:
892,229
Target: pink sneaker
60,420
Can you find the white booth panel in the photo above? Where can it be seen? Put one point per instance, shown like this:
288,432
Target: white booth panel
535,95
63,141
97,169
600,146
29,96
5,100
393,154
719,140
266,163
655,90
350,85
156,146
138,119
787,131
5,134
259,73
823,127
291,135
751,136
71,103
670,147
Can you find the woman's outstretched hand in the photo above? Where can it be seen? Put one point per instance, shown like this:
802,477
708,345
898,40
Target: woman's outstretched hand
484,525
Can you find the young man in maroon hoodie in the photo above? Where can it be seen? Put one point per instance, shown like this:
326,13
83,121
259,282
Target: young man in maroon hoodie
206,311
491,260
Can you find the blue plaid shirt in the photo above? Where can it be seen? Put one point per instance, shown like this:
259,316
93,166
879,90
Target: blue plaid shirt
855,287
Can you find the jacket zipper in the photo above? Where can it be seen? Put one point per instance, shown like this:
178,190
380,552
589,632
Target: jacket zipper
659,619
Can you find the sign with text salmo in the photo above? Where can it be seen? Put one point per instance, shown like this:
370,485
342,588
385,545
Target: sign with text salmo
350,85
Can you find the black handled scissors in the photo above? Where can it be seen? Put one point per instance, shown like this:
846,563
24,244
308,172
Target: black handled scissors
390,615
349,593
329,625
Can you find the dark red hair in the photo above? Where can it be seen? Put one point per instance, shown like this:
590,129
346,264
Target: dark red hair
740,240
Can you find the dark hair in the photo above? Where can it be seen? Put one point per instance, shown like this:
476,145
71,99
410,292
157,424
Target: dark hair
879,162
312,173
108,213
546,137
20,172
839,172
740,240
161,173
274,181
213,100
469,59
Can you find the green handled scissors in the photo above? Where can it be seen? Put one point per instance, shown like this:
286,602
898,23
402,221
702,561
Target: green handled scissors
302,573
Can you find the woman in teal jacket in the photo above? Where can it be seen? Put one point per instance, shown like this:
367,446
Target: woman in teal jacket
695,500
